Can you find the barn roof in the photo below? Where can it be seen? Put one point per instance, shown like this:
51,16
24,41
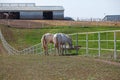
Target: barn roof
112,18
27,7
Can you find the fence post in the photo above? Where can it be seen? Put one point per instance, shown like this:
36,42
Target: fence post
99,48
8,23
36,49
40,48
115,52
29,50
87,43
33,49
77,43
42,25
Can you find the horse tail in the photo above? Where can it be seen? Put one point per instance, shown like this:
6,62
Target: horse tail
43,41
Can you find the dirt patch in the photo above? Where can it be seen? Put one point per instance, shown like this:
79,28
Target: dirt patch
46,23
108,62
23,23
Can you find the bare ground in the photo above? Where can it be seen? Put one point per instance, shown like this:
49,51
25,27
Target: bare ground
36,67
108,62
45,23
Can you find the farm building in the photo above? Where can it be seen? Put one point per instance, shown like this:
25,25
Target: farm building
112,18
30,11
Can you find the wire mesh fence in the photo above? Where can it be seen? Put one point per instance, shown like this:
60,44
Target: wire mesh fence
97,44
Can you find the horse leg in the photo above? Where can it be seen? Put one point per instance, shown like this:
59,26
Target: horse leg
65,51
62,49
47,50
56,49
44,50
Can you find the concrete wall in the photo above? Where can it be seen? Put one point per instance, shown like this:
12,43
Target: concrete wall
31,15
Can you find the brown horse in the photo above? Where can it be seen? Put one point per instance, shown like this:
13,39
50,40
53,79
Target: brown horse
45,40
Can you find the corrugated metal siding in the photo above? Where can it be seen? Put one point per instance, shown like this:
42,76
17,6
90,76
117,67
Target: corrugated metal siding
31,15
112,18
30,11
58,14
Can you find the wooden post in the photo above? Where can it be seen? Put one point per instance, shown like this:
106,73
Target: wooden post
42,25
29,25
87,43
8,23
77,43
36,49
33,49
99,48
115,52
40,48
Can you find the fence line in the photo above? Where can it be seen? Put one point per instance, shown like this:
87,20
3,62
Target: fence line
99,40
95,32
38,49
11,50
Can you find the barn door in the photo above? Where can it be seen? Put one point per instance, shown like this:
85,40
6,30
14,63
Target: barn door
48,15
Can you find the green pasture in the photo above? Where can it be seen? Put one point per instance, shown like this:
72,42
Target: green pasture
23,38
106,42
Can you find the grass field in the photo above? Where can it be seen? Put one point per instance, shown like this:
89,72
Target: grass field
36,67
29,37
39,67
24,38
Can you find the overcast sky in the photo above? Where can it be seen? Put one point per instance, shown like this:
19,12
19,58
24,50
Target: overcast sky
79,8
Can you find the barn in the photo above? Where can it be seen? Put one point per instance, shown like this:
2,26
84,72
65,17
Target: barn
31,11
112,18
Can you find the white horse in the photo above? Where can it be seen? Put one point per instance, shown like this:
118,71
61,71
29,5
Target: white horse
61,40
6,15
46,38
